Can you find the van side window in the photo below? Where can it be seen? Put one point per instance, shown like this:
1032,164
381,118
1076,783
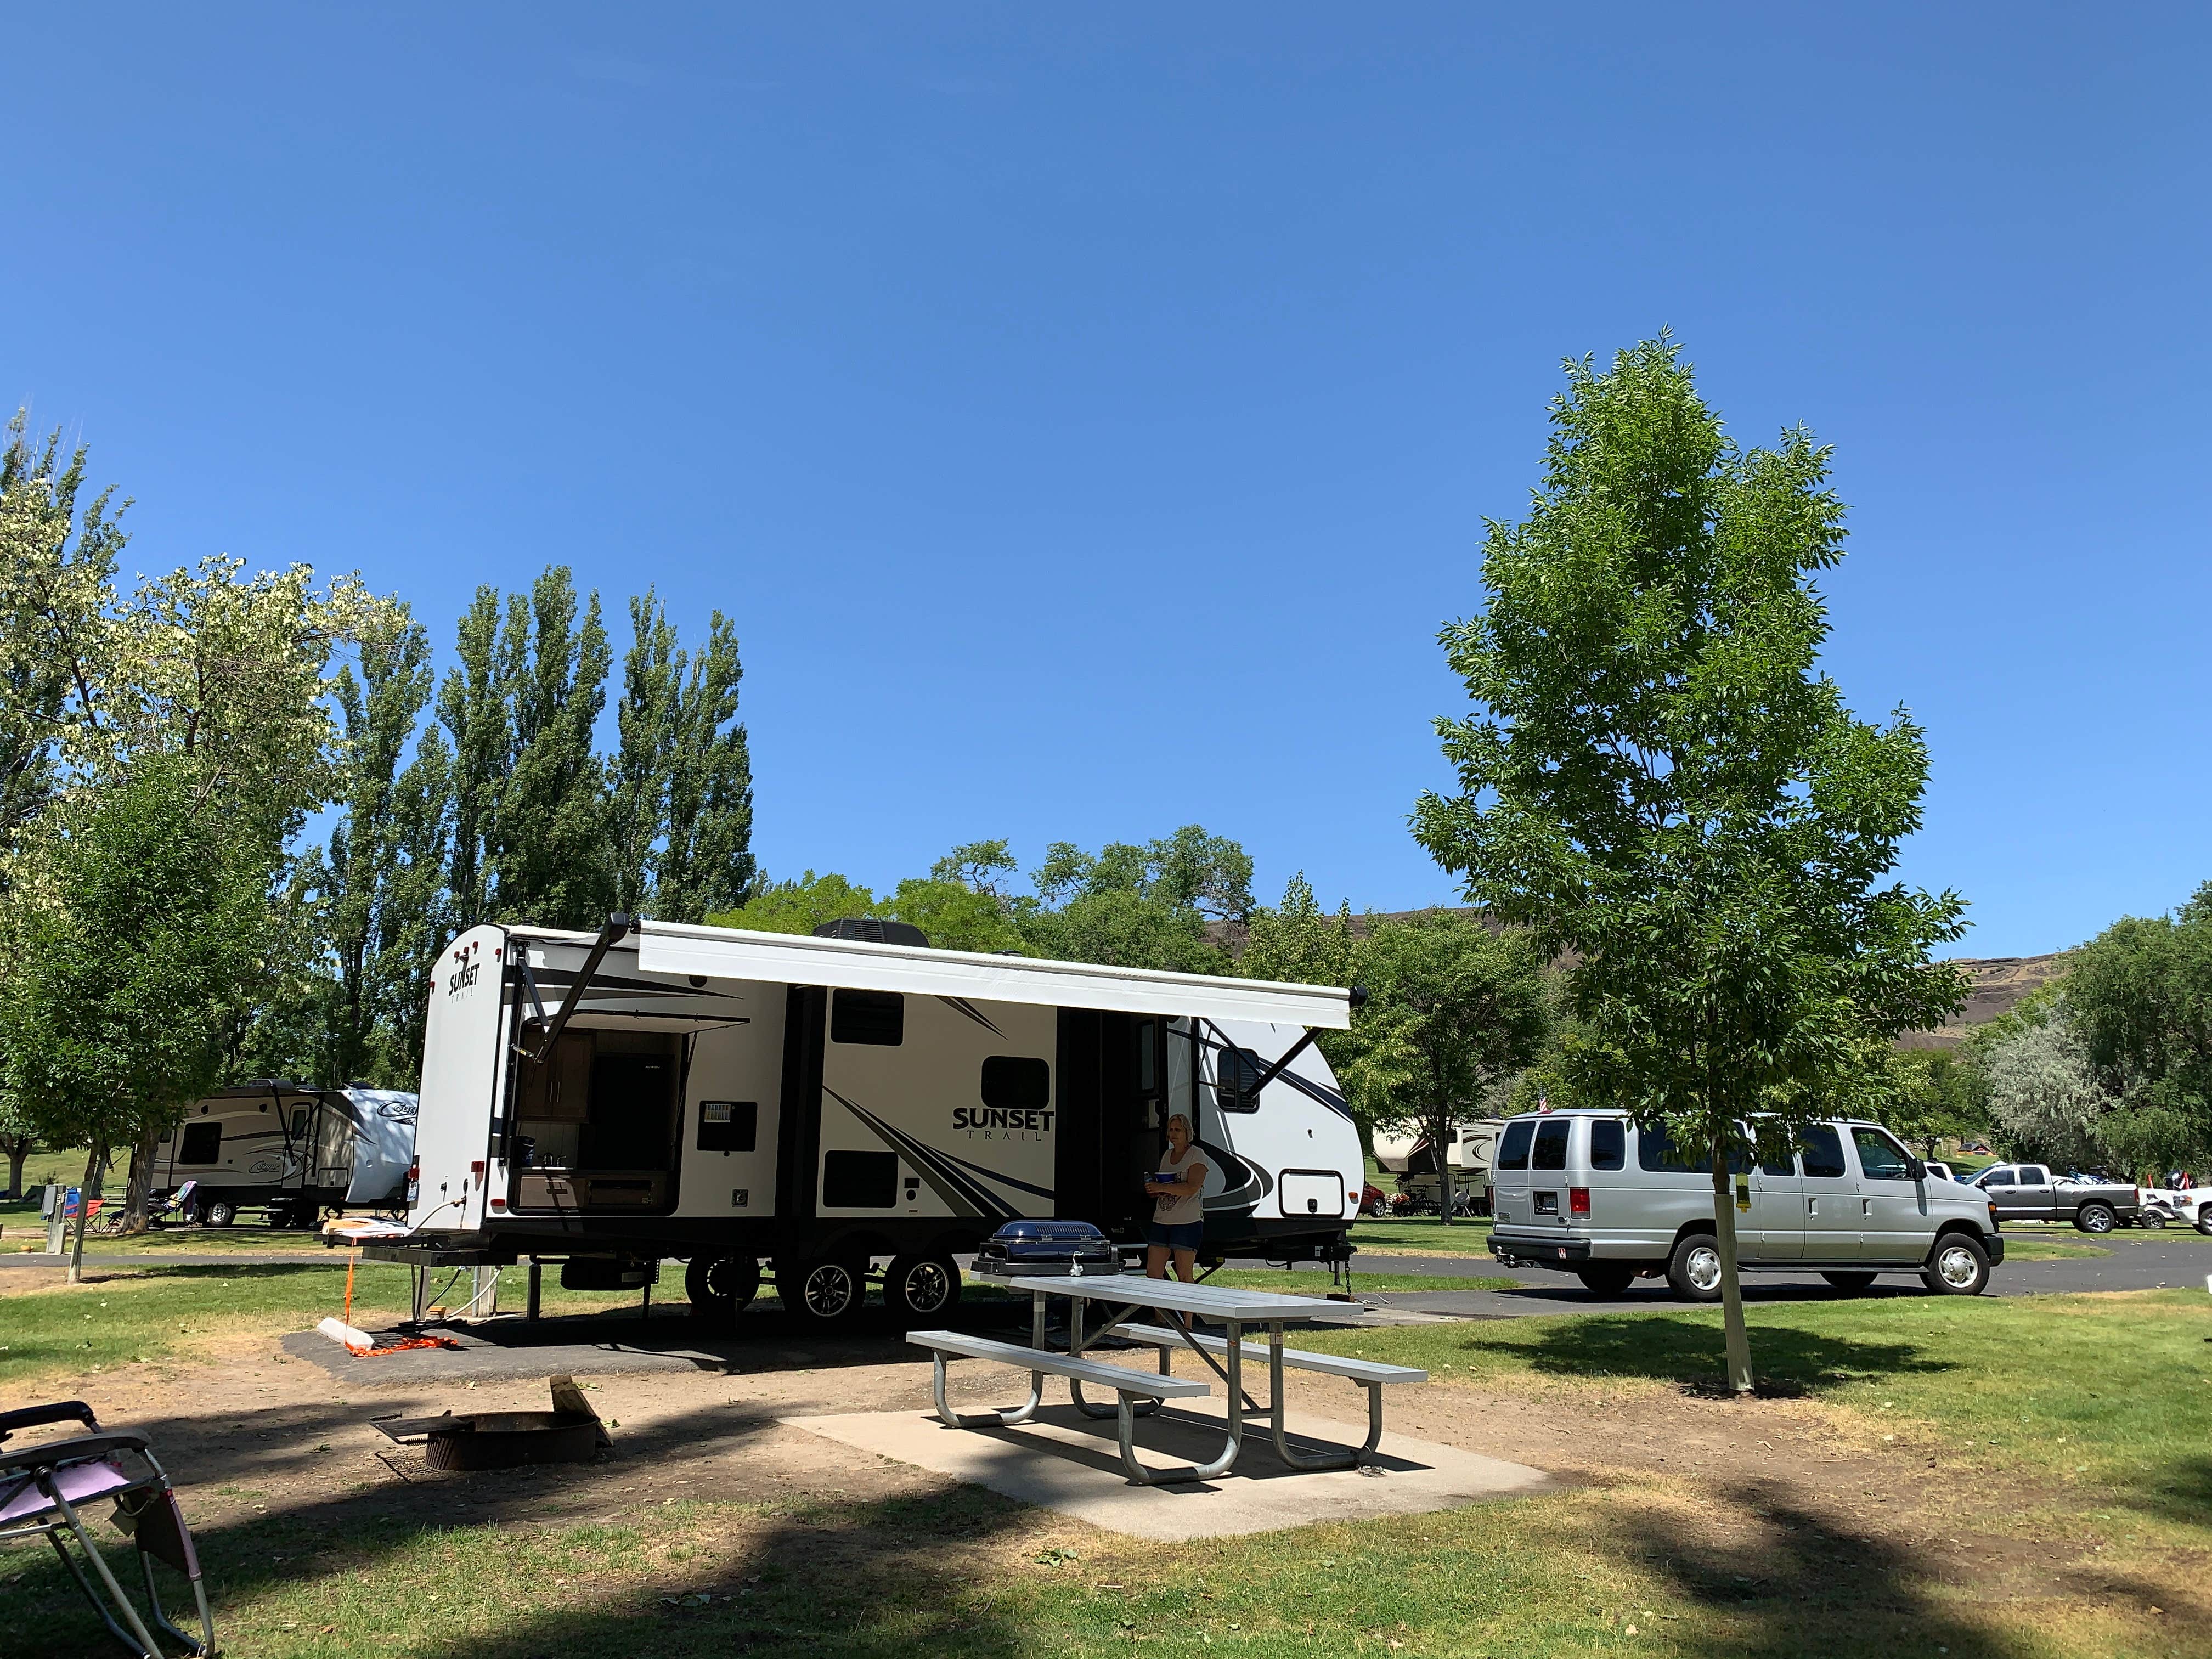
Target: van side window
1822,1149
1551,1152
1880,1158
1608,1143
873,1016
1655,1151
1513,1149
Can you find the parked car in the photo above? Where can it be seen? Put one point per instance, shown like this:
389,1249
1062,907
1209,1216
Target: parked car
1590,1193
1373,1201
2031,1192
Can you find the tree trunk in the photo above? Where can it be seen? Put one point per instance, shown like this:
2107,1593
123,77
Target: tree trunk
1440,1136
1738,1340
141,1181
84,1211
19,1154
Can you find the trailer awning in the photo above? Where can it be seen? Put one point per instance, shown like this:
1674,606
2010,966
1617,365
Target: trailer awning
729,953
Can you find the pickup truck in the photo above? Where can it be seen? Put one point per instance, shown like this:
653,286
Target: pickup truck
2032,1192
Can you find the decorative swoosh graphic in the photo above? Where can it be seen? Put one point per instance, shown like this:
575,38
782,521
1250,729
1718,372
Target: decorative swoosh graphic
1320,1093
961,1004
962,1192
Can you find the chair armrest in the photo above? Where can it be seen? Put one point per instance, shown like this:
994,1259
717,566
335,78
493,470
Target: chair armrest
60,1411
73,1450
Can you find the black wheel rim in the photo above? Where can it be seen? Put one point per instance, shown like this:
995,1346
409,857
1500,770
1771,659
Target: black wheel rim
828,1290
927,1287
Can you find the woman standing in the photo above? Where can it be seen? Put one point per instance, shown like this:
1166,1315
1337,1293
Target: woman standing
1178,1222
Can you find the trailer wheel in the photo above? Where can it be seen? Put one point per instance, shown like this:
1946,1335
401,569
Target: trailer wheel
922,1286
721,1287
220,1212
827,1291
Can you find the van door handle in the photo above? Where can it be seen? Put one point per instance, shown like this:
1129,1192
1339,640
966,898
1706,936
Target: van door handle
1866,1206
1812,1206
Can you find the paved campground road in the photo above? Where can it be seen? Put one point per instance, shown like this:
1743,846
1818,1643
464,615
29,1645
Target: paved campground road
2138,1261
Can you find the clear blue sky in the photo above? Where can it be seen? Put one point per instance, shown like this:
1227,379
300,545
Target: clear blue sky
1088,415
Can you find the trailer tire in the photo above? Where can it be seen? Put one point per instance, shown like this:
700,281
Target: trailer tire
825,1291
922,1287
219,1212
721,1287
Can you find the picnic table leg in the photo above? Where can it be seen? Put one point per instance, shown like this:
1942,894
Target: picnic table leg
1141,1476
1334,1460
953,1419
1075,1341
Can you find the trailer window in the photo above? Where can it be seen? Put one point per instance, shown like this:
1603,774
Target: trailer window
203,1144
1019,1086
1236,1080
1608,1143
860,1181
872,1017
1513,1149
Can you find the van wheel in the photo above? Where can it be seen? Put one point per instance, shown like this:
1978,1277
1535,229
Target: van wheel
220,1212
1850,1284
2094,1218
827,1291
1609,1280
922,1286
1694,1269
721,1287
1960,1267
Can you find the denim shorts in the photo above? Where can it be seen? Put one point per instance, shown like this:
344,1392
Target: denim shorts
1186,1236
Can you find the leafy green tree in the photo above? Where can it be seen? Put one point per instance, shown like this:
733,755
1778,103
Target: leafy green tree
1300,943
2140,996
1453,1011
1933,1098
57,569
1135,906
955,916
1659,780
136,912
799,907
682,802
2045,1099
376,892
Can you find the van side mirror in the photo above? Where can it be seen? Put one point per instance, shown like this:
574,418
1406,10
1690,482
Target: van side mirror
1915,1169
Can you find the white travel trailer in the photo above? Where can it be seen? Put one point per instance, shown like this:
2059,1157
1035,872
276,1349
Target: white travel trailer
675,1092
1474,1145
290,1149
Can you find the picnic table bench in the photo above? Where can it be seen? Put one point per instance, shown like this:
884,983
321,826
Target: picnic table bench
1128,1294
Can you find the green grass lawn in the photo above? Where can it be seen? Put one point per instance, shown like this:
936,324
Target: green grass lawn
2079,1420
1430,1236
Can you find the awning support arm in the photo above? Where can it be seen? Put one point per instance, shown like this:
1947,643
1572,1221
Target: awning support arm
1313,1032
617,928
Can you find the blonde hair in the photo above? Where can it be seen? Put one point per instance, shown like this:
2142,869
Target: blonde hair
1183,1118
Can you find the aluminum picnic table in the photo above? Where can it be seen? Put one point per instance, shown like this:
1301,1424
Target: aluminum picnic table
1127,1293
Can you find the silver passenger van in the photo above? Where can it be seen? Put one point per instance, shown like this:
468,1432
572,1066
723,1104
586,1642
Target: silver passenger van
1590,1193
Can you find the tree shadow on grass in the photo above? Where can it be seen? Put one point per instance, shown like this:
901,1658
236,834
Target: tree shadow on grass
2179,1491
1788,1360
1801,1583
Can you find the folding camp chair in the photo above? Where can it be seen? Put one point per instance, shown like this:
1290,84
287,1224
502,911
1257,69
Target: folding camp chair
44,1487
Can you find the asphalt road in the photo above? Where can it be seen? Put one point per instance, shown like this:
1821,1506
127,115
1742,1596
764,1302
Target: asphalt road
2138,1261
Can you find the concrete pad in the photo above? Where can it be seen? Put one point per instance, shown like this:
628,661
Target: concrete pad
1065,1462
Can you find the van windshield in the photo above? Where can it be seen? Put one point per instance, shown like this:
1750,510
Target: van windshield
1513,1149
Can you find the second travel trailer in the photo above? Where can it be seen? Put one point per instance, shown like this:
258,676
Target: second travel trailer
671,1091
291,1150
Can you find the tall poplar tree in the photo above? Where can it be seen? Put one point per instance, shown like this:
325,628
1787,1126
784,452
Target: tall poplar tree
1659,780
